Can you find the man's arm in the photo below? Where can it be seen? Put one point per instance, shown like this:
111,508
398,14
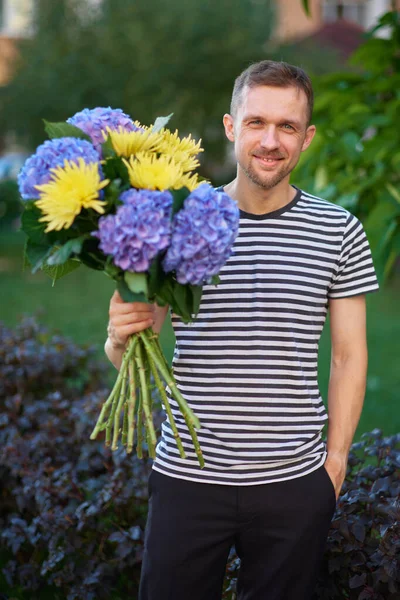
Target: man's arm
347,381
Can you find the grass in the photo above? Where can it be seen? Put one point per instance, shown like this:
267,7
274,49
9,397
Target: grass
77,306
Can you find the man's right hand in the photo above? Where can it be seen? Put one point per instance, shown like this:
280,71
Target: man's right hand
127,318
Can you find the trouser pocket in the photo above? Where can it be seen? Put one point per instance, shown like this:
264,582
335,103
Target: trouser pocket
329,484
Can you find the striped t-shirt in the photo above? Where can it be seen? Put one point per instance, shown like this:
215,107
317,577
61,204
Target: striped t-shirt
247,365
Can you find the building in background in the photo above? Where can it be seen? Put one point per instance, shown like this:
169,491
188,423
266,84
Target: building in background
333,24
294,24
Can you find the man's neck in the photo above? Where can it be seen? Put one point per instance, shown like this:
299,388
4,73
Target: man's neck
258,201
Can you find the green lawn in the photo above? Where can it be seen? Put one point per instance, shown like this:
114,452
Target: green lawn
78,306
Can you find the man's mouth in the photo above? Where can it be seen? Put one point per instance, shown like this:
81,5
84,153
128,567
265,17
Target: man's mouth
268,160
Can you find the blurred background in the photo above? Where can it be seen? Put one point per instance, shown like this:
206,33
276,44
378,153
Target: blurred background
151,58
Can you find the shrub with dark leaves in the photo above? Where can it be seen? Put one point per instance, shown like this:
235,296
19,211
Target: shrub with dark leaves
362,555
72,514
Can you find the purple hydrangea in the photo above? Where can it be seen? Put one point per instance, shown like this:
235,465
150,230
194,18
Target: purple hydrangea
203,232
48,155
140,228
96,120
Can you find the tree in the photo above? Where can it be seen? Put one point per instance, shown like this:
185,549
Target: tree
354,159
146,57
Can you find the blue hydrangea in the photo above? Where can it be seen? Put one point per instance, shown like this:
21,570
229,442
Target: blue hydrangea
48,155
203,232
94,121
140,228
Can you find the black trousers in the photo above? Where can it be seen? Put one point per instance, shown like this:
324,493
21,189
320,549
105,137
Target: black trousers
279,531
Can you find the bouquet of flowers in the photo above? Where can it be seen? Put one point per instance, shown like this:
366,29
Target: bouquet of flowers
125,199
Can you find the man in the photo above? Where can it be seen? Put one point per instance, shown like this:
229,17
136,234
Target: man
248,368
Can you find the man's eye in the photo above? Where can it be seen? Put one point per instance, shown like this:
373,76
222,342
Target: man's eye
255,122
287,126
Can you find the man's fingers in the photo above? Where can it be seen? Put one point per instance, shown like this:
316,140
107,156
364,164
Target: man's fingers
121,307
127,318
127,330
131,318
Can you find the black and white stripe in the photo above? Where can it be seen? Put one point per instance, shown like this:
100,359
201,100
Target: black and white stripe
247,365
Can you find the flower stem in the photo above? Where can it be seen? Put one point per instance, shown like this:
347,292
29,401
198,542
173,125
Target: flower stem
117,411
100,425
131,405
166,404
139,449
144,388
191,420
126,421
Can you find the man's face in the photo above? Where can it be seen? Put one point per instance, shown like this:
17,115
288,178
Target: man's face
269,132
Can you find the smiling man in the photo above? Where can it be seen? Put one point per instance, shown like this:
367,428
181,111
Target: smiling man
248,367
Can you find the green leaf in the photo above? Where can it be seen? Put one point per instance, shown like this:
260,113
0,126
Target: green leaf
107,148
58,271
91,258
197,291
393,192
321,178
136,282
127,294
389,264
378,221
61,255
32,227
160,122
112,193
36,254
165,294
215,279
179,199
111,270
114,168
350,141
386,238
156,276
58,130
183,301
348,201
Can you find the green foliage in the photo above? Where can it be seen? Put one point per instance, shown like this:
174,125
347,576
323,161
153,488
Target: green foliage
354,159
148,58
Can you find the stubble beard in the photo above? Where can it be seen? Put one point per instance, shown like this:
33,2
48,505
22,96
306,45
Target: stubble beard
271,179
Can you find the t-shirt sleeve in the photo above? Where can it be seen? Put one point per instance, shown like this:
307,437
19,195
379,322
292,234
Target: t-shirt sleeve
356,273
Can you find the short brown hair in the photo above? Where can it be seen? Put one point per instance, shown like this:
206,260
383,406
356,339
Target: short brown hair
275,74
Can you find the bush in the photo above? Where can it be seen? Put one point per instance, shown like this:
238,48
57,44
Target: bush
72,514
362,556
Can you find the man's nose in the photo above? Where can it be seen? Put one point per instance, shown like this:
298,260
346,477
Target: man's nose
270,138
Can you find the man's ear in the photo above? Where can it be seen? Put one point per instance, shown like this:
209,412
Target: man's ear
229,127
311,130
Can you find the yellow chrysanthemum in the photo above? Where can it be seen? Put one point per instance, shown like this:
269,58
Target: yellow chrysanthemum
147,171
189,181
72,187
183,150
126,143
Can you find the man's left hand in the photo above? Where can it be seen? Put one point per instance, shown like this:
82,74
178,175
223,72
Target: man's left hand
335,466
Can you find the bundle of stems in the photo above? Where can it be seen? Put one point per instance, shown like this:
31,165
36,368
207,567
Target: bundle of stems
131,395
